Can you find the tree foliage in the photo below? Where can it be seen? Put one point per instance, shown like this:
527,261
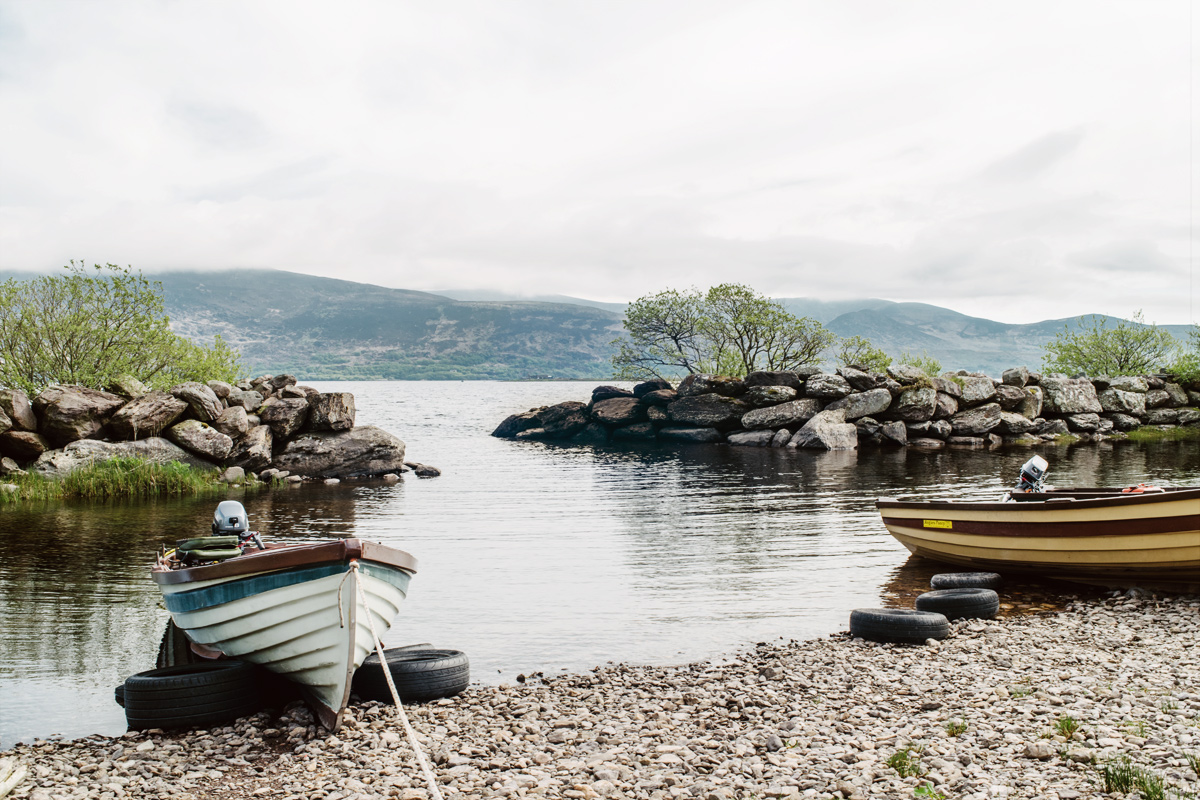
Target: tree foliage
857,351
88,327
924,362
1129,348
728,330
1186,364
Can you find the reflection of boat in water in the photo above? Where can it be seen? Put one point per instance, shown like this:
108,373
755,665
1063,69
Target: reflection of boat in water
293,609
1109,537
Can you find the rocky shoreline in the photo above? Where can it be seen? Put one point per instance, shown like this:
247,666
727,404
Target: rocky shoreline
270,426
855,408
1021,707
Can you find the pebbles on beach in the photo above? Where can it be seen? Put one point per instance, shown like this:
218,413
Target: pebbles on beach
980,715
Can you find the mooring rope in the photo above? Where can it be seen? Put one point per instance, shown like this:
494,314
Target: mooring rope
387,674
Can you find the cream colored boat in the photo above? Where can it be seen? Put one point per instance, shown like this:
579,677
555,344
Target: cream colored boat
293,609
1108,537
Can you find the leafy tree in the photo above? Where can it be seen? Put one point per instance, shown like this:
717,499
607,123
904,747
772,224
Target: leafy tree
924,362
1130,348
88,327
857,351
1186,366
728,330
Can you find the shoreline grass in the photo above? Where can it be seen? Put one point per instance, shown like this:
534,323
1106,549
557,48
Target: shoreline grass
115,478
1178,433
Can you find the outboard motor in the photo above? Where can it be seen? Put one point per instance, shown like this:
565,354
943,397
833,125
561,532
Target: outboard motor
230,519
1032,474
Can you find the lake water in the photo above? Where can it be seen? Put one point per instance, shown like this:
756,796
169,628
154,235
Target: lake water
533,557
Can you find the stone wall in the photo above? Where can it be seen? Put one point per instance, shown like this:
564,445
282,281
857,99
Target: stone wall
269,425
853,408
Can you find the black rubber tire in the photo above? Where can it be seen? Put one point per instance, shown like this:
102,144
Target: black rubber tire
191,694
898,625
119,695
961,603
965,580
420,675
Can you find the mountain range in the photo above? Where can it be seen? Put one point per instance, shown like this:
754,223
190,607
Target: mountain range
325,328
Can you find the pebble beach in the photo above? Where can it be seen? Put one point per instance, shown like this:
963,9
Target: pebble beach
1033,706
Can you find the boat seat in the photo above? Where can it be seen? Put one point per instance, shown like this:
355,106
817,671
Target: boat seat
208,548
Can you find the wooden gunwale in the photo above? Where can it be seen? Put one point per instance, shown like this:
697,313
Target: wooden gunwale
1051,502
277,557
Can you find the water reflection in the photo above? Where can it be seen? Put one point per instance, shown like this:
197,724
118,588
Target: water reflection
533,557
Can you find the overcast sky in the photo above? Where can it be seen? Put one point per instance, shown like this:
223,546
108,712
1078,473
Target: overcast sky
1012,160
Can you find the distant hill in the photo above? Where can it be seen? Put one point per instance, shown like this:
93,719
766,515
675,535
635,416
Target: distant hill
323,328
331,329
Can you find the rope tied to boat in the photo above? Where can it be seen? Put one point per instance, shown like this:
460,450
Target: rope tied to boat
387,674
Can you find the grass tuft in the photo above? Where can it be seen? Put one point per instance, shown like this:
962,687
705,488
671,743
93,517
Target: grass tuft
906,763
115,478
1066,726
1152,433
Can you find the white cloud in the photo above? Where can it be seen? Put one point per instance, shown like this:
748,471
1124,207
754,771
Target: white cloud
1000,159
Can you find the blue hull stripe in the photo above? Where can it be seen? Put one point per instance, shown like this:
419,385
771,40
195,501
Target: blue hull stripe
209,596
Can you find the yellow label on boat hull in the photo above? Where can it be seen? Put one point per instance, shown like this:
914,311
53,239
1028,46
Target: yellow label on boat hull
939,523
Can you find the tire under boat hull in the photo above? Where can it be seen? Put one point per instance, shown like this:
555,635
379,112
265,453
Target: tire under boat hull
1152,541
304,622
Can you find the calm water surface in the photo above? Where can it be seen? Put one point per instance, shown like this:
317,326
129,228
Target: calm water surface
533,557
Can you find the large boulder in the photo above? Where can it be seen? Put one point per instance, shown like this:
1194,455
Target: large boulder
695,435
828,430
915,405
331,411
1124,422
1119,401
56,463
1032,405
660,397
252,451
22,446
145,416
707,411
759,396
976,421
126,386
619,411
365,450
1160,416
516,423
233,422
906,374
894,433
774,378
1129,383
1178,395
70,413
246,398
16,406
1013,424
204,401
565,419
782,415
5,422
859,381
711,384
946,406
592,433
1069,396
607,392
1085,422
638,432
1017,376
1158,398
652,385
201,438
1010,397
751,438
976,391
863,404
949,384
827,387
285,416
